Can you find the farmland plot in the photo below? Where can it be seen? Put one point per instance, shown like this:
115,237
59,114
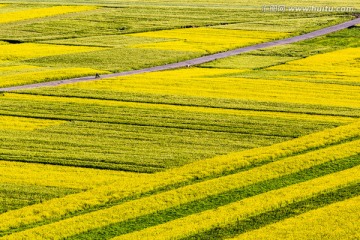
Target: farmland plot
245,147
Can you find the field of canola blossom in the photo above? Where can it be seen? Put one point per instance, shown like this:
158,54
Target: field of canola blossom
264,145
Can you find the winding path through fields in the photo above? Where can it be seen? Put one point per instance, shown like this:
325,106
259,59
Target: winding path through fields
195,61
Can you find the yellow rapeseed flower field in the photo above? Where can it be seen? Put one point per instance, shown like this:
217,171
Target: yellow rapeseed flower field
336,221
344,61
35,50
207,40
340,67
198,169
229,214
44,74
26,124
215,84
4,70
59,176
41,12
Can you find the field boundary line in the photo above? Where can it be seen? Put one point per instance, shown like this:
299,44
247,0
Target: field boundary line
195,61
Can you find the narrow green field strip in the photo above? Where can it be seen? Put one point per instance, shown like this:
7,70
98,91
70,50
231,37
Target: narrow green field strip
217,166
278,215
16,196
193,192
248,61
336,221
114,59
248,207
211,202
267,106
171,107
87,163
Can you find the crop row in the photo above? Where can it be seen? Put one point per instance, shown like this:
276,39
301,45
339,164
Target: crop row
197,191
197,170
336,221
246,208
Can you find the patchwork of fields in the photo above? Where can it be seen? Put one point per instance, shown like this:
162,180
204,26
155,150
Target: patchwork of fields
264,145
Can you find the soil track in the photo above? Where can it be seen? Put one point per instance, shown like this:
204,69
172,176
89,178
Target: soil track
195,61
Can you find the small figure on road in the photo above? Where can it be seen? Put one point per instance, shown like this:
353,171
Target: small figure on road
97,75
187,65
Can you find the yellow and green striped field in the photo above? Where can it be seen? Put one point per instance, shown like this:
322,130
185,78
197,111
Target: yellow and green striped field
263,145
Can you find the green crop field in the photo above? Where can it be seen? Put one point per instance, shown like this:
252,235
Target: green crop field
262,145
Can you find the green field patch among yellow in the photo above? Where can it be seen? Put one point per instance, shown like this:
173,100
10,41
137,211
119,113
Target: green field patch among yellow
247,62
41,13
26,124
206,40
